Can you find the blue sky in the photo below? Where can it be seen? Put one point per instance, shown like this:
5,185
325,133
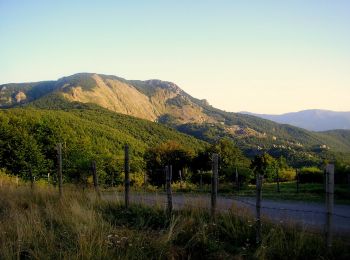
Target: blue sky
259,56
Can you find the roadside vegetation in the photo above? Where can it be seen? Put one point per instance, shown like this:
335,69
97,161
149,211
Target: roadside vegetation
36,224
29,137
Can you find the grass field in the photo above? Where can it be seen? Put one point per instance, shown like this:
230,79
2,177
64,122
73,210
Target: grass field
307,192
288,191
37,224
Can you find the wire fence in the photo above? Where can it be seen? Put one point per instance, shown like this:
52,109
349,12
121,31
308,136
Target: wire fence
327,218
306,222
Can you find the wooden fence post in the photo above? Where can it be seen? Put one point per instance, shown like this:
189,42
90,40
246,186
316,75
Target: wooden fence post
112,181
95,178
237,180
59,167
259,180
48,178
201,180
278,181
127,178
329,202
165,179
145,180
214,184
169,173
31,179
180,176
297,175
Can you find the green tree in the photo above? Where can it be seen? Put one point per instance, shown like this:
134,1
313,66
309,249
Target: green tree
264,165
168,153
19,152
231,158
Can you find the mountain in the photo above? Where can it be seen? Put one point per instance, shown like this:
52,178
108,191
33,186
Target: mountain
166,103
149,100
313,120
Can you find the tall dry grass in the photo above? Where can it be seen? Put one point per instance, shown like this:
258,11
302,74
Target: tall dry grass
37,224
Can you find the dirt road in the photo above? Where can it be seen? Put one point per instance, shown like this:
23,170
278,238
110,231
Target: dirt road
309,215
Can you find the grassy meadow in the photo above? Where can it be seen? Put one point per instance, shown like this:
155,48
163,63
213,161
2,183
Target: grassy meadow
307,192
37,224
312,192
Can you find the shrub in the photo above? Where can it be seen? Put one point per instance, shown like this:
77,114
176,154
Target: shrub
183,186
310,175
287,174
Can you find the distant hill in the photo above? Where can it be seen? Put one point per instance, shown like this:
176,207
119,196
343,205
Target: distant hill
88,133
313,120
166,103
97,125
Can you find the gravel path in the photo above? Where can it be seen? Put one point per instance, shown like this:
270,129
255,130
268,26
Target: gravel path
308,215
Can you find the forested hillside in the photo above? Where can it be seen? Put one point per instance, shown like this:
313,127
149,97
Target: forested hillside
168,104
29,137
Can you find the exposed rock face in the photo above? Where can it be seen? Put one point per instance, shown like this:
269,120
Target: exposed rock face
116,96
153,100
165,102
121,97
20,96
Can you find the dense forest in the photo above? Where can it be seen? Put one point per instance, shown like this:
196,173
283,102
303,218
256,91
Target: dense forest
89,133
29,137
35,117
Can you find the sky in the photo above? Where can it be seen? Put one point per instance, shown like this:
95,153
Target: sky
268,56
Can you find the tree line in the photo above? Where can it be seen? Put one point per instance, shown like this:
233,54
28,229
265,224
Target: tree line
29,138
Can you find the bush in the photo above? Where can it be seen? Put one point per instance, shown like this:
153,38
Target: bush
287,174
310,175
183,186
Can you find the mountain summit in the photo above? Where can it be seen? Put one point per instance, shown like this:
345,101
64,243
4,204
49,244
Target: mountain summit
150,99
166,103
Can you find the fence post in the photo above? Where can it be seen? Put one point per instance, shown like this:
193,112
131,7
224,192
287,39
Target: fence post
145,180
180,176
237,179
214,184
112,181
297,175
329,202
278,181
165,180
201,180
59,167
95,178
48,178
259,180
126,172
31,179
17,181
169,173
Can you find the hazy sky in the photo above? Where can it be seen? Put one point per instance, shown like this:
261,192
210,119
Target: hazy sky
259,56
